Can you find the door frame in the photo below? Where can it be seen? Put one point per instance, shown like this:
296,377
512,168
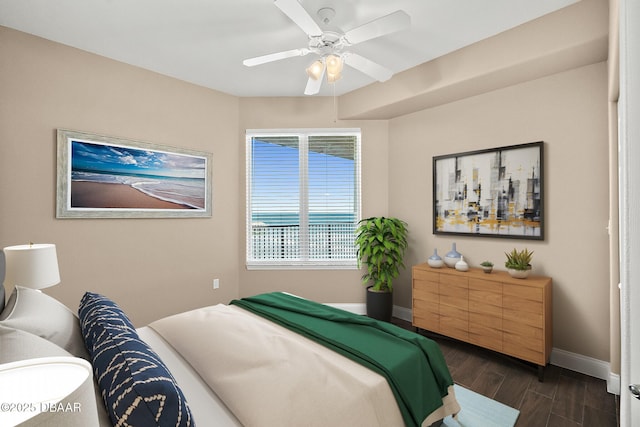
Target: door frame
629,196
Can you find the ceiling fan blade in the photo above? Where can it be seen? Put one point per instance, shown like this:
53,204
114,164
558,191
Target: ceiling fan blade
396,21
294,10
368,67
275,57
313,85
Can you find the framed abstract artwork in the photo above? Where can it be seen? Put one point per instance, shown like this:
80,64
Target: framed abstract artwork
105,177
497,192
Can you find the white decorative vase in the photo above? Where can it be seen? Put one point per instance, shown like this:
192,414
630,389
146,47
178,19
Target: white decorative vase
452,256
518,274
462,265
435,260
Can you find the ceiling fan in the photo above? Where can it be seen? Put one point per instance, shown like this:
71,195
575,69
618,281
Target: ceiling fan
332,46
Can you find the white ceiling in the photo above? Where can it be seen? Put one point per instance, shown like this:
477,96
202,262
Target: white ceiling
205,41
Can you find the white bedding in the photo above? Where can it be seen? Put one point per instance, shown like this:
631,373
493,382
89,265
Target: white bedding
269,376
234,368
206,406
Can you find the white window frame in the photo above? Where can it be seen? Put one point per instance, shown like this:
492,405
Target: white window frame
303,262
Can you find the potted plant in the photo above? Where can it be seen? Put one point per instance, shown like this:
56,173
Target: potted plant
518,263
487,266
381,243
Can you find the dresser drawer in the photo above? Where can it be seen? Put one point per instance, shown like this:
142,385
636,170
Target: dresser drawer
454,312
521,305
422,305
460,281
486,320
528,349
426,284
525,293
483,308
524,330
425,290
453,329
518,315
456,296
485,297
485,337
427,320
420,274
485,285
454,322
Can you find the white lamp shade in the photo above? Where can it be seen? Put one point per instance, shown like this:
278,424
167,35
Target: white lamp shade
316,70
334,68
32,266
48,391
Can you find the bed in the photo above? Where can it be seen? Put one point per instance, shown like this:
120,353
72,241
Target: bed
252,362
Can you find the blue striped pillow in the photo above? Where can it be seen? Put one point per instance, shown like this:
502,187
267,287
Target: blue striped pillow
136,386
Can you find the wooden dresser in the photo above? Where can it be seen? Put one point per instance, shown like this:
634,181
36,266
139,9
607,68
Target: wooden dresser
495,311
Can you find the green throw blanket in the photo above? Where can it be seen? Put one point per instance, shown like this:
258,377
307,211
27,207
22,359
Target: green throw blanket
412,364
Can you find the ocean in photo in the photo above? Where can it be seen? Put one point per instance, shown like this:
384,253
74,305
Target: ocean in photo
185,191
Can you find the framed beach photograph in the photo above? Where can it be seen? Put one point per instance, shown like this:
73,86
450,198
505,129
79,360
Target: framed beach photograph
105,177
497,192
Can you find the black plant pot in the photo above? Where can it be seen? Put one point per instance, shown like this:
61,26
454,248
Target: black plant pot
379,305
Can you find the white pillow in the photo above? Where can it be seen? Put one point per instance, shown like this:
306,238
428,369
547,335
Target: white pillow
20,345
38,313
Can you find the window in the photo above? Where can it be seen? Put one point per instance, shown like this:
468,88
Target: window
303,198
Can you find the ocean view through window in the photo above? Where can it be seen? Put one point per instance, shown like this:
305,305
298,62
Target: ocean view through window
303,198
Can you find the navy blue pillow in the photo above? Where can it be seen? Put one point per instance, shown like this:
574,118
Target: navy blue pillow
136,386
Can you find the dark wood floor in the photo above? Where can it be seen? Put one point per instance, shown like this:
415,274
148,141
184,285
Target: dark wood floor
565,398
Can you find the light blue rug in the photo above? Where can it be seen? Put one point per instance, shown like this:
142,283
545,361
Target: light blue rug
480,411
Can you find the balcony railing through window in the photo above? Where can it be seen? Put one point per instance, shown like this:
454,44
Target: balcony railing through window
328,241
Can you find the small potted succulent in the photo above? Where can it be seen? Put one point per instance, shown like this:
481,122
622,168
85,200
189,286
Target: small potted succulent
487,266
518,263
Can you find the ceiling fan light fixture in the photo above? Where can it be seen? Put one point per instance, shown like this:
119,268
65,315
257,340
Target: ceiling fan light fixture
334,68
315,70
331,44
332,78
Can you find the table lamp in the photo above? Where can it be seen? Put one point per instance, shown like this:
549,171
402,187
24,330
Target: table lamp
32,266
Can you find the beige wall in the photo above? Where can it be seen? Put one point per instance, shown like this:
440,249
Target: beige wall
152,267
569,112
162,266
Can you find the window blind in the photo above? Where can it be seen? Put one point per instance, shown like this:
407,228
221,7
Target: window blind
303,198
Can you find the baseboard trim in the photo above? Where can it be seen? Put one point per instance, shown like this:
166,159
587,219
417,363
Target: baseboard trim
562,358
353,307
613,383
579,363
402,313
588,366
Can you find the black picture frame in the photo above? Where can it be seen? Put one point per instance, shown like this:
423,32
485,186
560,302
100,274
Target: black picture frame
496,192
